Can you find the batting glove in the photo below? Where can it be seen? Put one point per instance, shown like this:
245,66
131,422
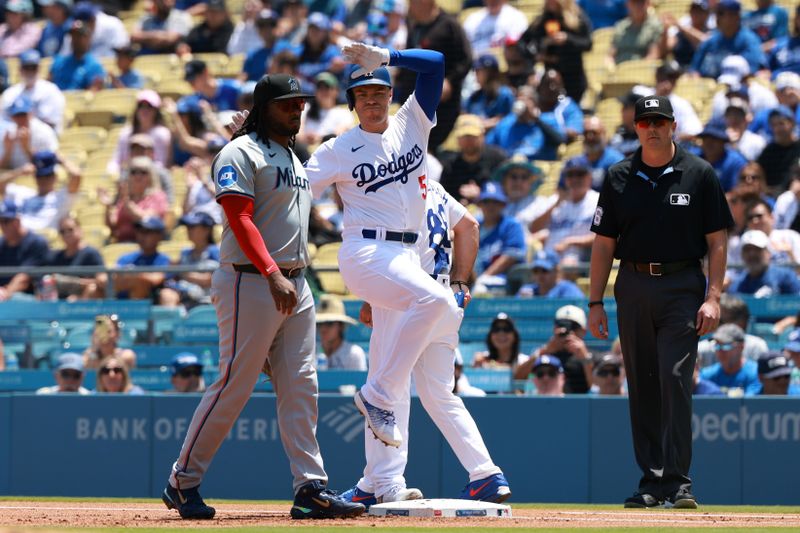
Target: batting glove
370,58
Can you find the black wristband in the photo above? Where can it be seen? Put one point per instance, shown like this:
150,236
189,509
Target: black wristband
596,302
459,283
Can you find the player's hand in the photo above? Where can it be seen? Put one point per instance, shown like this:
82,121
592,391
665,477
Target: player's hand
283,292
707,317
598,322
237,120
465,289
365,314
370,58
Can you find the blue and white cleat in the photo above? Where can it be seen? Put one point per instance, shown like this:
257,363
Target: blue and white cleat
380,421
356,495
493,489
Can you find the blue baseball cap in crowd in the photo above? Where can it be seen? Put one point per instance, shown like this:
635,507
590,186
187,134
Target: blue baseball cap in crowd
773,364
492,192
548,360
546,259
193,68
151,224
45,163
729,5
197,218
793,341
577,164
70,361
320,20
184,360
67,4
20,106
782,111
377,24
715,130
29,58
85,11
8,209
189,104
486,61
702,4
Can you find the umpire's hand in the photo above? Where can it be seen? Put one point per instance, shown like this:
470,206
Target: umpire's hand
283,292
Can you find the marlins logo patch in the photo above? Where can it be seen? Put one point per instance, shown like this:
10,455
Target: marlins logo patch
679,199
598,216
227,176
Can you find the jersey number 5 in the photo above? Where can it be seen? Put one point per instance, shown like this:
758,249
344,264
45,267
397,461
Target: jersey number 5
423,185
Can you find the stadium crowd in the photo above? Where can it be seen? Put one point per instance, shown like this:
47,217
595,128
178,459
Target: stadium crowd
112,112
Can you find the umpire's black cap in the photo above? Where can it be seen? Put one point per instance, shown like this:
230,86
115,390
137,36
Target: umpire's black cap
659,106
278,87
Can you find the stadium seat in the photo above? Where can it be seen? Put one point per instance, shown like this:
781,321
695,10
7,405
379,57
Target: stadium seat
112,252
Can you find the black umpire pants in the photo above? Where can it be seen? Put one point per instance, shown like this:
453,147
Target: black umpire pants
656,316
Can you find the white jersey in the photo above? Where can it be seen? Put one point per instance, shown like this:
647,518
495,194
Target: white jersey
274,178
486,31
381,177
39,212
443,212
47,99
572,219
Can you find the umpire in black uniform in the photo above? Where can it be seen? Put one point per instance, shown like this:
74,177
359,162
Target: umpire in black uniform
661,211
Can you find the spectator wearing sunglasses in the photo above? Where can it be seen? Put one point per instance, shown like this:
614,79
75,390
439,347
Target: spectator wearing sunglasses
105,343
784,244
733,373
774,374
609,376
187,373
548,376
502,343
715,149
69,376
760,277
113,377
546,282
732,310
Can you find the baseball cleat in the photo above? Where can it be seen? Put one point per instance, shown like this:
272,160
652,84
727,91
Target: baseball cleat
400,494
187,502
642,501
357,495
493,489
314,500
380,421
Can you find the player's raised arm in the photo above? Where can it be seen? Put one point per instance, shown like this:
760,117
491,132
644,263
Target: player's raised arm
429,64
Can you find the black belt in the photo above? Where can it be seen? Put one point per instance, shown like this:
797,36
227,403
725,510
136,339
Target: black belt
251,269
661,269
406,237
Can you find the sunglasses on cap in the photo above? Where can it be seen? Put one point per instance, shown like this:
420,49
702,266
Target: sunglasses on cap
70,374
604,373
645,123
546,373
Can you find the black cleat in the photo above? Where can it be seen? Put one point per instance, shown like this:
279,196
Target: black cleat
642,501
313,500
188,503
683,499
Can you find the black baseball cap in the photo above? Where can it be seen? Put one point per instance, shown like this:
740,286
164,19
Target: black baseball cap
193,68
278,87
658,106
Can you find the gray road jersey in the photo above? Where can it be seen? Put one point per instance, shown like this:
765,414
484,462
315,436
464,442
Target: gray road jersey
277,183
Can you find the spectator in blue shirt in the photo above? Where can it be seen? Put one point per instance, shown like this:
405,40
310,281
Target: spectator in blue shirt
221,93
128,76
57,13
257,61
774,375
502,241
547,284
18,248
703,387
596,152
733,373
193,288
769,22
78,70
559,113
493,100
603,13
316,52
760,278
142,286
730,38
520,132
726,161
787,90
785,55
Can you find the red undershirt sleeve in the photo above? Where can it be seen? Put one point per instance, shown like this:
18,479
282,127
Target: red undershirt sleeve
239,210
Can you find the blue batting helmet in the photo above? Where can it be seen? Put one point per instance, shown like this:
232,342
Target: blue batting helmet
379,76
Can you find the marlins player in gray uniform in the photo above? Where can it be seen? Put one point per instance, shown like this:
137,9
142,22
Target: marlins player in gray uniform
264,306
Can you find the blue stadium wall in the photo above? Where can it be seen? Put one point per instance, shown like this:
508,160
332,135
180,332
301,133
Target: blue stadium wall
573,449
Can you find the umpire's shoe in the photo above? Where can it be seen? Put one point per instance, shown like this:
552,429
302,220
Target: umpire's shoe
380,421
642,500
313,500
493,489
187,502
683,499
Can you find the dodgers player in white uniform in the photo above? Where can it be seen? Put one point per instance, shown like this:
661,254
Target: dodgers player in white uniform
379,172
264,306
383,478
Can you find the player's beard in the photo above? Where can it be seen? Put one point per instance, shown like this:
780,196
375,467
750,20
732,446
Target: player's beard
285,130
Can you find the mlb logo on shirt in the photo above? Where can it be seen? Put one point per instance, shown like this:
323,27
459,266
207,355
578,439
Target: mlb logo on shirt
650,103
680,199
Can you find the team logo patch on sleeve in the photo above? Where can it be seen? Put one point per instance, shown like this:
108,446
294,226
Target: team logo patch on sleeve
227,176
598,216
680,199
